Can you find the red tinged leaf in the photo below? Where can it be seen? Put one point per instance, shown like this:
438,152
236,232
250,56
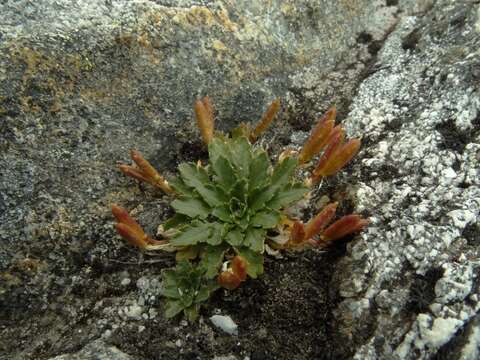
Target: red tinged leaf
297,235
228,280
239,267
340,157
204,116
124,217
209,107
133,172
334,142
266,120
344,226
320,221
146,169
145,172
133,236
319,137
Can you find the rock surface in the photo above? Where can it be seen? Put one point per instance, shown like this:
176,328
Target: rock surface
83,82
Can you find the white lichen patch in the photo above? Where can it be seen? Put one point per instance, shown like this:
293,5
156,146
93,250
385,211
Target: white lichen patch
418,114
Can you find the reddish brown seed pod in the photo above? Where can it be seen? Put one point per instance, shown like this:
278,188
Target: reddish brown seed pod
320,221
319,136
145,172
229,280
239,267
204,116
344,226
338,159
266,120
130,234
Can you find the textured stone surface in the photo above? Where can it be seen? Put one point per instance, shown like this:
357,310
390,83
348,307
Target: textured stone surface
413,276
82,82
96,350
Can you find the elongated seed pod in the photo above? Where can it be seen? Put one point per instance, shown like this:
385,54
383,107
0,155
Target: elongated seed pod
209,107
319,136
320,221
344,226
130,234
266,120
340,158
133,172
124,217
204,120
149,173
335,140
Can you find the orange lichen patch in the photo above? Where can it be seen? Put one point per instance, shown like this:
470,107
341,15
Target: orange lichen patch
319,136
266,120
205,120
145,172
320,221
336,157
344,226
131,231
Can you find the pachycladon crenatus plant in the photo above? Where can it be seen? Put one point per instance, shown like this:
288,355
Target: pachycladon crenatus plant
233,210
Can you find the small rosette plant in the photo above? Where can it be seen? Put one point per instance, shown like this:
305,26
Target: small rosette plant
233,209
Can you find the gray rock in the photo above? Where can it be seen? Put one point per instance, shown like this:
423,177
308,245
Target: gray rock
225,323
414,272
96,350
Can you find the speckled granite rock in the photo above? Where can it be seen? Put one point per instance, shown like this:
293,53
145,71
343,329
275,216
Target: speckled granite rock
82,82
96,350
411,287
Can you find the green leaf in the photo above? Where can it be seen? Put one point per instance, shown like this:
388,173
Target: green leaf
170,288
216,235
172,308
288,195
254,260
175,220
192,235
191,313
235,237
179,186
203,294
255,239
259,171
225,174
243,130
223,213
240,190
212,260
197,177
193,175
244,221
216,148
211,195
258,198
241,153
187,253
266,219
237,208
191,207
183,268
282,173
